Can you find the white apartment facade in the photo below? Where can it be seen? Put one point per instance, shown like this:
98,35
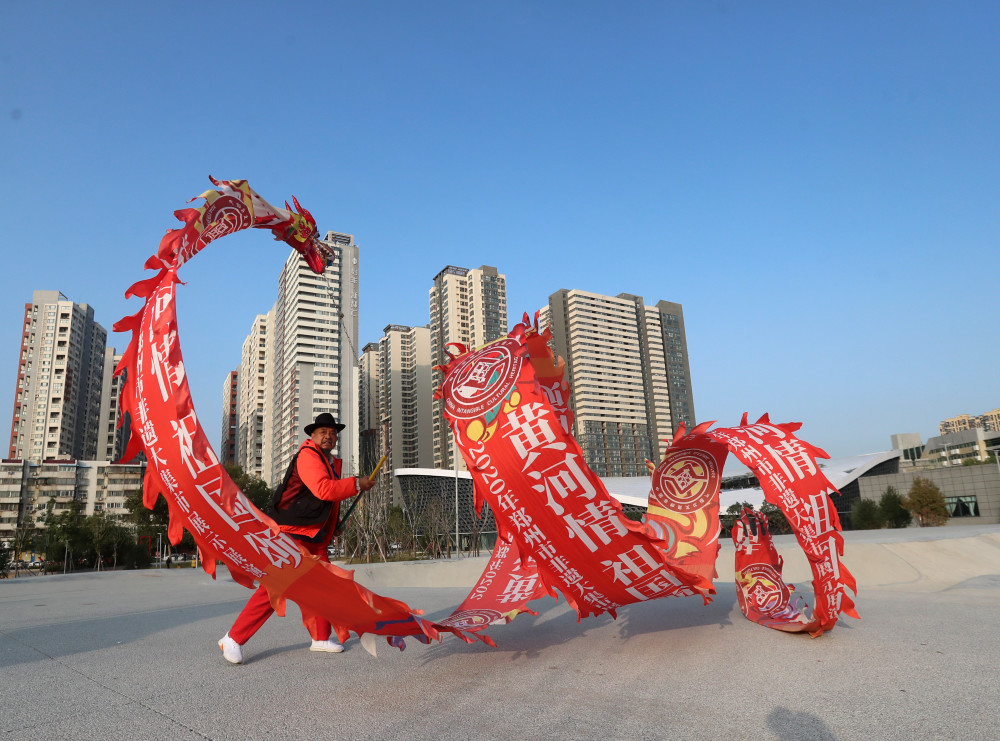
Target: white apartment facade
112,438
57,400
405,394
28,489
467,306
314,341
254,399
990,422
626,364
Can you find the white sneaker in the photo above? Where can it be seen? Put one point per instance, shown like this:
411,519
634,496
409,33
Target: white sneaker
330,647
231,650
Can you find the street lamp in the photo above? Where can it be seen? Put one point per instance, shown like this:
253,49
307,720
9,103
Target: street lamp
455,458
996,455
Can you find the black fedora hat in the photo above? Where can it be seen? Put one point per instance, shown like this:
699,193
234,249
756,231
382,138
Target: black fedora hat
324,420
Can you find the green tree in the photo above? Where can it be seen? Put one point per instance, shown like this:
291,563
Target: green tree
732,515
135,556
97,527
926,502
253,487
400,533
777,523
866,515
976,462
153,522
894,514
25,536
4,559
108,538
147,521
66,538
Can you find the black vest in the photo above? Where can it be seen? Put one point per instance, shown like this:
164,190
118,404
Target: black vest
304,508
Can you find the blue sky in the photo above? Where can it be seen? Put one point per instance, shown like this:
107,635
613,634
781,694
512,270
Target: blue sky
817,183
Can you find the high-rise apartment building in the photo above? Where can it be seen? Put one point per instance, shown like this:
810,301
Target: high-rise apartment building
470,307
315,352
255,399
628,370
396,394
369,443
405,393
675,351
60,368
230,418
112,438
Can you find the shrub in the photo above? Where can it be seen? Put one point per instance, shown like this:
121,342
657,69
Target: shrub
894,514
926,502
866,515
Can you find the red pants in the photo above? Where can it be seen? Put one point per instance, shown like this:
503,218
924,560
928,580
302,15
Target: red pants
258,609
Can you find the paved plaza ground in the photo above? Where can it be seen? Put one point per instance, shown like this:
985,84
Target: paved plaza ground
132,655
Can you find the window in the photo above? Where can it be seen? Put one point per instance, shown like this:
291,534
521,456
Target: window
962,506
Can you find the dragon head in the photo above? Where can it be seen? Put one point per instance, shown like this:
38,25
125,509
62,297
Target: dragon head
301,233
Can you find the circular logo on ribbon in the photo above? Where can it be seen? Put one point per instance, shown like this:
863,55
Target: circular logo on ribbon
685,482
224,215
482,379
471,619
763,588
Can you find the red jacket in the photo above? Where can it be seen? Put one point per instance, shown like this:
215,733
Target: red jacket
317,478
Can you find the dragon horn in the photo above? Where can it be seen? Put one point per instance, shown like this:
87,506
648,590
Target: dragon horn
304,212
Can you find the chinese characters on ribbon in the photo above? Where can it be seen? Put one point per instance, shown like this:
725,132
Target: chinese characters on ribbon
508,408
183,468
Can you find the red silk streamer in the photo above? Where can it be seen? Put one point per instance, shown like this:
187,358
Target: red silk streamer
185,470
683,507
761,591
507,404
792,480
506,585
542,494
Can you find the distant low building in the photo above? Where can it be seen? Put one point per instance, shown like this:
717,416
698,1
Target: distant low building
990,422
971,493
28,488
950,449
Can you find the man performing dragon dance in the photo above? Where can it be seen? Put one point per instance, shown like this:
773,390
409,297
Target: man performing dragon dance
559,530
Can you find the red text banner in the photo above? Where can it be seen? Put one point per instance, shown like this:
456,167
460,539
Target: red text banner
508,406
184,469
543,495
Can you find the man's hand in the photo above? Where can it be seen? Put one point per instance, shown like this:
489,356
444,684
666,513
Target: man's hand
364,484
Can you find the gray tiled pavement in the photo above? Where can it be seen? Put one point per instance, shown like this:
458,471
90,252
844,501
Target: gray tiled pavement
132,655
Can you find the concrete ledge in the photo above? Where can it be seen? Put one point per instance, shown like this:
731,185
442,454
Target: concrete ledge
457,572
